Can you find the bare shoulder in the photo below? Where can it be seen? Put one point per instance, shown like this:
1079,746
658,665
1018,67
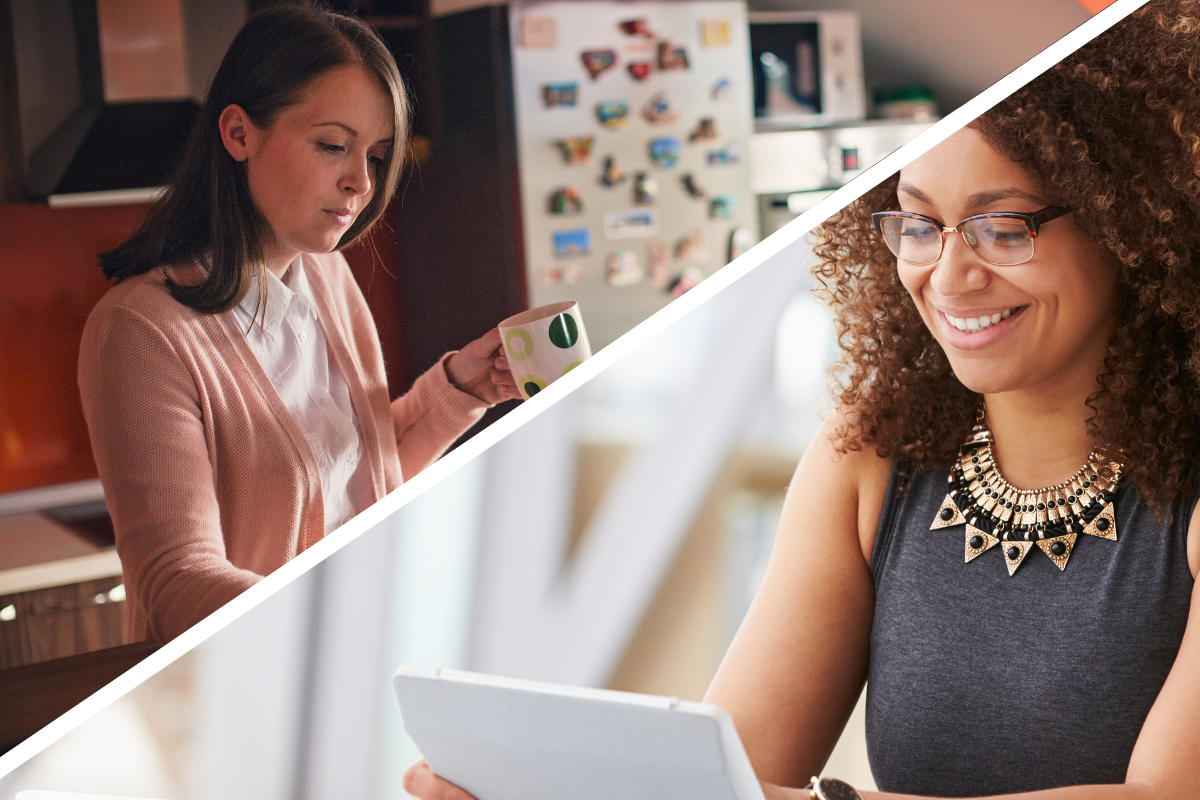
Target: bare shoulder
1193,541
851,485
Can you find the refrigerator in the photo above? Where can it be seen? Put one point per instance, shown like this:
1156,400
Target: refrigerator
633,125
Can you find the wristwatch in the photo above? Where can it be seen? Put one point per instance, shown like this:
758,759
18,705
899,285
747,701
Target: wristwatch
831,789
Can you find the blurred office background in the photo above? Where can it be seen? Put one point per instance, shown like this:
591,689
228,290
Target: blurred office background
615,541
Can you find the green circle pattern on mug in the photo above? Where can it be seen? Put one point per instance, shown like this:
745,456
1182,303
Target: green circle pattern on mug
526,349
530,385
564,331
570,367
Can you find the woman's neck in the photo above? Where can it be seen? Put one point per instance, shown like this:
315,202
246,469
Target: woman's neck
1040,437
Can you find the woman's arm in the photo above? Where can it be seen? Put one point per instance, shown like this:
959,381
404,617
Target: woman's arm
148,439
797,665
448,399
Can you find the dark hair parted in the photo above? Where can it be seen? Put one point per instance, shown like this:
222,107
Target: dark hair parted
1113,131
207,213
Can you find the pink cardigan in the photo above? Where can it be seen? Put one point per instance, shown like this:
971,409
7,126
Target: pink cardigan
209,481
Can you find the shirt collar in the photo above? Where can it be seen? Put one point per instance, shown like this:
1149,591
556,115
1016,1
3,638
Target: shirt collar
280,295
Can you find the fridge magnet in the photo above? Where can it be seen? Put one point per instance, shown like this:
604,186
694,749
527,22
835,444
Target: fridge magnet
569,274
560,94
631,223
690,186
671,57
721,89
598,61
567,201
537,32
685,281
724,156
623,268
612,175
575,149
645,189
613,114
740,240
573,242
639,70
706,131
714,32
722,207
658,261
664,152
658,111
690,249
637,27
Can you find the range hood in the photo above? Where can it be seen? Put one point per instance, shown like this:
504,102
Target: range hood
110,90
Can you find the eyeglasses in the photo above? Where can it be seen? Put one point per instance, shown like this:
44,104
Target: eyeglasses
1002,239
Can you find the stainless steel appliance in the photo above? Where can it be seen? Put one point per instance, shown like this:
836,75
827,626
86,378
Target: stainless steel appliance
791,171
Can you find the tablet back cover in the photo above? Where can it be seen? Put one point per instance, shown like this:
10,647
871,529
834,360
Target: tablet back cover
502,743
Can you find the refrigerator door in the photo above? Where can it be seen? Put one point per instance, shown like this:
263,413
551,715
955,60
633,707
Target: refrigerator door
633,132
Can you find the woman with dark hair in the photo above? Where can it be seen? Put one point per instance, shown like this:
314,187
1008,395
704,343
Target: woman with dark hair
995,529
232,379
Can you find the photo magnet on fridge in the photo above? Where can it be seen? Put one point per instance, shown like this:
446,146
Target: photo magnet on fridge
598,61
671,57
560,94
573,242
639,70
612,175
575,149
658,111
714,32
636,27
613,114
724,156
664,152
537,32
631,223
623,268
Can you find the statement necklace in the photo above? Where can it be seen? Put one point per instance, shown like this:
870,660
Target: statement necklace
996,512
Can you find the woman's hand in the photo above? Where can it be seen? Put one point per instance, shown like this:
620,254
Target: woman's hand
480,369
419,781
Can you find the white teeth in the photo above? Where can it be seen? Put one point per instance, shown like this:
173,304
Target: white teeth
978,323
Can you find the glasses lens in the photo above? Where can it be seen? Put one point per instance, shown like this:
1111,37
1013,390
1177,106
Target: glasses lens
913,240
999,240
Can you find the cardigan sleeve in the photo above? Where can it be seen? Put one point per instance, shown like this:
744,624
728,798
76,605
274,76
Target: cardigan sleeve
430,417
148,436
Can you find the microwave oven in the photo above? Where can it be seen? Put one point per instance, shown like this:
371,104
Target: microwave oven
808,69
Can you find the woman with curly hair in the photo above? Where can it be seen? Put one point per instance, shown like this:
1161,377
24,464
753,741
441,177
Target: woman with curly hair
995,528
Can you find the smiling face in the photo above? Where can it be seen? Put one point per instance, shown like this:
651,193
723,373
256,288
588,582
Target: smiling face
1025,327
317,167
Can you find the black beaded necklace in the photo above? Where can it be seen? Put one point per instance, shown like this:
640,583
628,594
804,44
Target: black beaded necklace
995,511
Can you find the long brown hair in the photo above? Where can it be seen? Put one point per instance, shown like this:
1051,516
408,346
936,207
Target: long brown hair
207,213
1113,131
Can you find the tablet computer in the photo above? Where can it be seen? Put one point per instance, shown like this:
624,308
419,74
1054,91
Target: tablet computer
507,739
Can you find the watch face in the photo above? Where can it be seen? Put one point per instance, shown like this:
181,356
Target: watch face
833,789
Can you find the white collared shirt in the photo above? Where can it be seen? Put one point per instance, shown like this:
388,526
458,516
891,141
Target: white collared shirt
290,345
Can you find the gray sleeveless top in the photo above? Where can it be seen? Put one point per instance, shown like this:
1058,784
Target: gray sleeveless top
983,684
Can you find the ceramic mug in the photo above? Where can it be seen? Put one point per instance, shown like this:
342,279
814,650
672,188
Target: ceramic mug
543,344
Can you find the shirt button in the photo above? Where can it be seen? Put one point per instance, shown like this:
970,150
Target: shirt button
326,402
350,458
303,336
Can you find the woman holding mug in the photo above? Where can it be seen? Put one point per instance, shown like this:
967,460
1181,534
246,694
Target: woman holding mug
232,379
996,527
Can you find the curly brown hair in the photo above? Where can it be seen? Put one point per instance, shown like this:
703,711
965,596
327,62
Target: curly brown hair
1113,131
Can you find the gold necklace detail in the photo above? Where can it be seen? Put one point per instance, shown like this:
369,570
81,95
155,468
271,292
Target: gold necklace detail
994,511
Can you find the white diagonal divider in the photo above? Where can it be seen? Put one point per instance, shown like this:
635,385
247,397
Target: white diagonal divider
538,618
562,388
